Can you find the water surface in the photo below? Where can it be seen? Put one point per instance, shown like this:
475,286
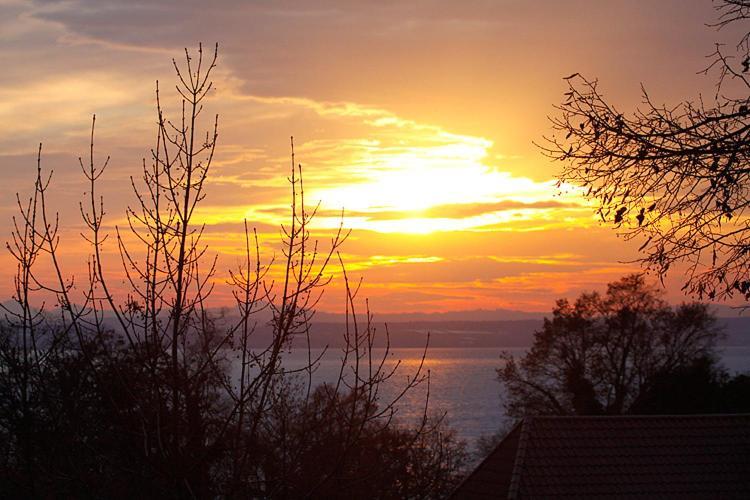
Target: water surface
463,382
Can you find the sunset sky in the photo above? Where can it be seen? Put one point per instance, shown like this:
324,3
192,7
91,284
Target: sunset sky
417,118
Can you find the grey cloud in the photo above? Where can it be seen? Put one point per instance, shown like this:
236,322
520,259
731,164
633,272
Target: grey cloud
426,60
307,44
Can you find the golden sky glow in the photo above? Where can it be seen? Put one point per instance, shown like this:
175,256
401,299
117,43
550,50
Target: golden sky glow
417,119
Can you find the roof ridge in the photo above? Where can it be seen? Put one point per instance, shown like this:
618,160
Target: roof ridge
515,477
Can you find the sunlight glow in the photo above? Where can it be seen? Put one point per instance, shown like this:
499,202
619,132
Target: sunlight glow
418,178
402,184
390,174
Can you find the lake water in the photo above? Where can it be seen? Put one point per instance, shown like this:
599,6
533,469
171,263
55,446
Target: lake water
463,383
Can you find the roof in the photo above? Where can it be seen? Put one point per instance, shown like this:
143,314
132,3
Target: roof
669,456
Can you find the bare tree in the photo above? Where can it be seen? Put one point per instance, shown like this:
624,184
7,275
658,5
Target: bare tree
179,401
673,177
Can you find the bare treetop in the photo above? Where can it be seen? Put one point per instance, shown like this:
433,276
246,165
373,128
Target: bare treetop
675,178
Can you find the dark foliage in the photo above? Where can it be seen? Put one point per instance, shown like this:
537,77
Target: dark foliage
615,354
80,435
315,452
699,388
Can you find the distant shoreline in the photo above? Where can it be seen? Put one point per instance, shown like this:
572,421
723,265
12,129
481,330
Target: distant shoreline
464,334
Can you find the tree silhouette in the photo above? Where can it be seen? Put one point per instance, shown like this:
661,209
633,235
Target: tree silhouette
603,354
674,177
151,393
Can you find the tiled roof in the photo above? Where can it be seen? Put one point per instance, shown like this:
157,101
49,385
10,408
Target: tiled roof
690,456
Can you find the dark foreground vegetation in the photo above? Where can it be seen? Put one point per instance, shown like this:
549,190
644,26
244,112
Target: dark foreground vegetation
146,395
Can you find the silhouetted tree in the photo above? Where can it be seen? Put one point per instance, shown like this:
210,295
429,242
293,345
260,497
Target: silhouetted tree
151,394
602,354
735,394
700,387
675,177
693,388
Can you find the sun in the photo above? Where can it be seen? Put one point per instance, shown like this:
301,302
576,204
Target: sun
400,187
411,178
